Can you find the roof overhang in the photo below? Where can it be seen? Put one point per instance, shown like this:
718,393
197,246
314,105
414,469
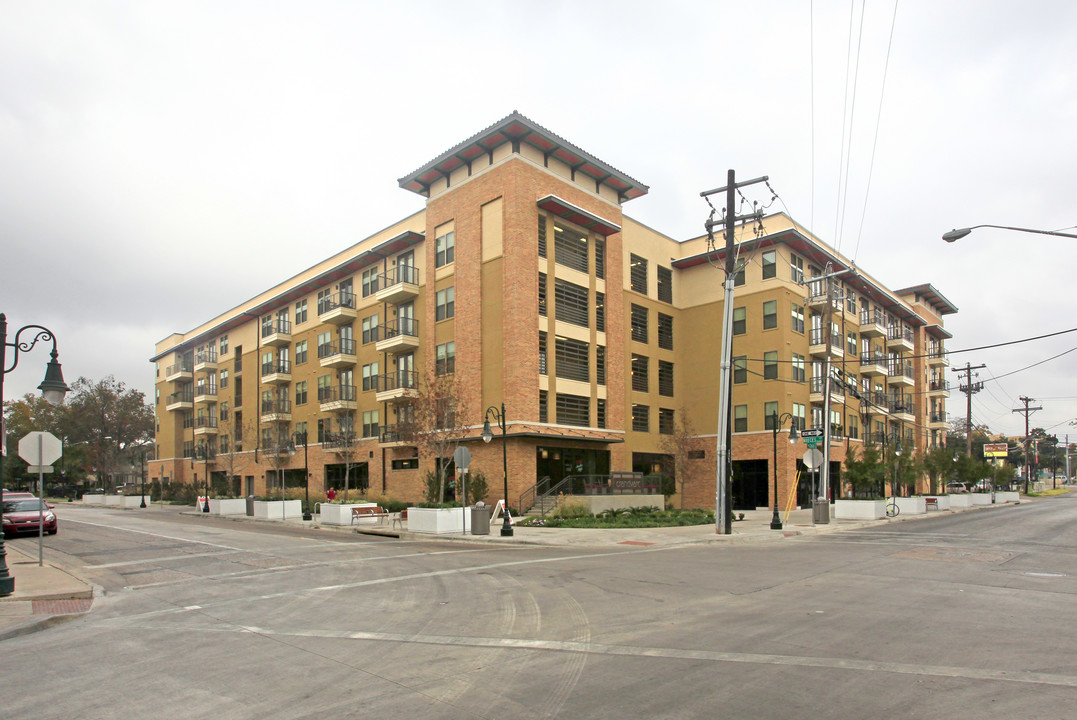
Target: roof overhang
933,296
939,331
578,216
518,129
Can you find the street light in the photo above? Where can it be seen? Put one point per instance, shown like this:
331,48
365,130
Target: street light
203,450
779,420
142,476
958,233
487,436
53,388
897,460
301,436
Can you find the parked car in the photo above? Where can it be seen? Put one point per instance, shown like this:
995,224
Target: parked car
982,486
956,487
25,516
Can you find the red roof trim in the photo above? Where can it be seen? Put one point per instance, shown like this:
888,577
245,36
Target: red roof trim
577,215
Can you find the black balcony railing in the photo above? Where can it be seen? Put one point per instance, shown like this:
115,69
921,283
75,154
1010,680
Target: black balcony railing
868,317
206,356
401,379
940,385
343,346
274,367
185,396
276,406
343,299
336,393
280,326
818,386
873,359
401,326
205,421
900,370
183,367
400,274
895,332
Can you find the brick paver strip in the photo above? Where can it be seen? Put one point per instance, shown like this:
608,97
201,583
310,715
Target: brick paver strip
62,607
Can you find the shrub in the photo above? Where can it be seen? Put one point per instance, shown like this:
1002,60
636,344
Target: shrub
478,487
570,508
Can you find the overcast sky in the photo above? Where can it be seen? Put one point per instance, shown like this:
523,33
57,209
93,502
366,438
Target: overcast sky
161,162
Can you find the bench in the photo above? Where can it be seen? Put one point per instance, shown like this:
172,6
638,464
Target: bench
380,514
400,518
931,503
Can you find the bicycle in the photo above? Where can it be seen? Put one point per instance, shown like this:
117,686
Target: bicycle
892,510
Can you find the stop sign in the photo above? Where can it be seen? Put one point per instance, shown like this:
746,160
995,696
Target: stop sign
40,448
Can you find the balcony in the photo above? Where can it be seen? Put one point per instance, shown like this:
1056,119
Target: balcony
872,324
900,374
182,400
938,387
340,354
398,285
936,357
341,443
399,385
816,396
392,436
179,372
400,335
817,344
205,361
205,425
277,372
872,364
938,420
205,394
817,293
338,309
901,408
873,403
337,398
276,410
276,333
899,339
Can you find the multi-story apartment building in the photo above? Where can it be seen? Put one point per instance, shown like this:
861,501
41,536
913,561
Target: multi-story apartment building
522,279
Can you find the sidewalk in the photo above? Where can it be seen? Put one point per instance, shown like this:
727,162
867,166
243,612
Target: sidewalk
43,595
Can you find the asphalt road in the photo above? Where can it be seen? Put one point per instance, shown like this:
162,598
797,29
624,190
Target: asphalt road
956,616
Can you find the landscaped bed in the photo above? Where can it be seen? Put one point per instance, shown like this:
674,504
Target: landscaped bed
633,518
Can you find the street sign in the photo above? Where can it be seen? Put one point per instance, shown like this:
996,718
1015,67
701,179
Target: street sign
813,459
40,448
996,450
815,433
813,442
462,457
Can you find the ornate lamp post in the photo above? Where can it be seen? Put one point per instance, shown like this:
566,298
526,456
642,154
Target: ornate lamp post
142,477
53,388
203,451
487,436
897,461
301,437
779,420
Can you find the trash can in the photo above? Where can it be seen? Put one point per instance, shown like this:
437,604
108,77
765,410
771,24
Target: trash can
820,512
250,506
480,519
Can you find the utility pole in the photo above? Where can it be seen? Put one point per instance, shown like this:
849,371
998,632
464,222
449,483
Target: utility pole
1026,411
723,501
970,388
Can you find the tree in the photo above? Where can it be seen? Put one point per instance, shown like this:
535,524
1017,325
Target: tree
345,443
938,464
277,448
233,432
31,413
865,471
431,422
109,417
678,446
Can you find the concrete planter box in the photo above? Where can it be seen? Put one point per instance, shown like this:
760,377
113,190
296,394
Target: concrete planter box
341,513
911,505
228,506
278,509
1009,496
981,498
942,500
93,499
600,503
859,509
133,500
960,501
439,520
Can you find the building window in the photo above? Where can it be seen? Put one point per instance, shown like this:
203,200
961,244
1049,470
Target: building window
542,236
445,363
639,373
798,368
573,410
637,273
301,392
542,294
370,377
371,419
224,378
665,378
573,359
600,258
641,418
571,304
542,353
570,248
600,312
600,364
770,365
300,352
770,264
300,312
850,301
370,329
446,303
665,331
740,369
325,341
796,269
798,416
770,314
601,412
740,321
770,415
740,418
665,284
223,345
406,464
639,323
665,421
738,276
543,412
797,316
369,281
325,386
444,249
851,341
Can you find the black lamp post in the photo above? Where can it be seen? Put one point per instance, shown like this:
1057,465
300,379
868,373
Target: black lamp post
487,436
779,420
897,460
203,450
53,388
301,436
142,477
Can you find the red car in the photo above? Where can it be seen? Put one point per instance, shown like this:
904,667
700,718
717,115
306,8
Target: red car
24,515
